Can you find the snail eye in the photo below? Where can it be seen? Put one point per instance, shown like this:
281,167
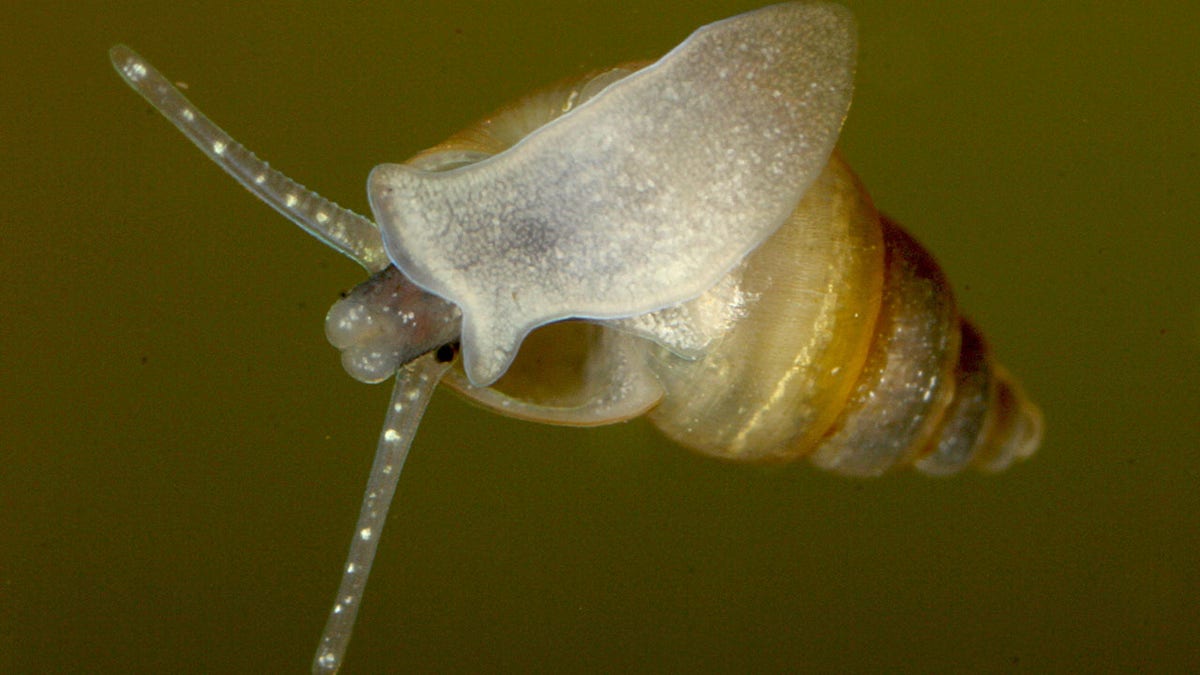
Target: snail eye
640,198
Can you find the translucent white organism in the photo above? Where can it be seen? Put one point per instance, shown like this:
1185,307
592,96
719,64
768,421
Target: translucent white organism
725,271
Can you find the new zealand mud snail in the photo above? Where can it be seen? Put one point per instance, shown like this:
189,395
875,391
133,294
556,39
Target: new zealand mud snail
678,239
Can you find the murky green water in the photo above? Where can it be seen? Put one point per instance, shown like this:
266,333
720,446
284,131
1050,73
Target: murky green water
182,455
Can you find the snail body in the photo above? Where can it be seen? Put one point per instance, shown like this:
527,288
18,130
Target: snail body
837,339
678,240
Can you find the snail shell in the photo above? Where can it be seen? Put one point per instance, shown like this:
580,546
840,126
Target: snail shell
838,339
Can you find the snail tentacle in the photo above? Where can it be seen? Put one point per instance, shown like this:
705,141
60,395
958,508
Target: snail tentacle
341,229
415,383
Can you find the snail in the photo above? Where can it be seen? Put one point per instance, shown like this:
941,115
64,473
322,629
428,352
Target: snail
678,239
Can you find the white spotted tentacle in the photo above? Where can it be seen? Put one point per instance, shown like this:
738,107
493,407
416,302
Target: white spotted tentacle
415,383
342,229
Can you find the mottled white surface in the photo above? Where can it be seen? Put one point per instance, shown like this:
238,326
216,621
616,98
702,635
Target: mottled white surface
641,198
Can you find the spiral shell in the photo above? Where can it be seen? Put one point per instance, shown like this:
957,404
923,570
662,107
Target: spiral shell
838,339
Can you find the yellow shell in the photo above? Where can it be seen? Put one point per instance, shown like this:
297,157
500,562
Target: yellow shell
837,339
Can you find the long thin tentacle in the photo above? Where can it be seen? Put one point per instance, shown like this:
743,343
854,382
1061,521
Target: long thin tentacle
415,383
342,229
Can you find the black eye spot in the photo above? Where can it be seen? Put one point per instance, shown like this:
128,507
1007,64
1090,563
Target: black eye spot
446,353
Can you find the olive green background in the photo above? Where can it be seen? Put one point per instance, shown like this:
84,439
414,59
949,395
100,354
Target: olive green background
182,456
